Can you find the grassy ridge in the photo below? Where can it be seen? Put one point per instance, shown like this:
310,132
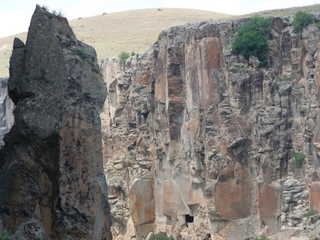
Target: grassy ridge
134,30
112,33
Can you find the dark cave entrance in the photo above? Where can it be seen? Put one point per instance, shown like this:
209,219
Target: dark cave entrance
189,219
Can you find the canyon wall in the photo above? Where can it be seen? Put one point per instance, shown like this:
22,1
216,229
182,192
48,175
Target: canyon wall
197,142
52,184
200,143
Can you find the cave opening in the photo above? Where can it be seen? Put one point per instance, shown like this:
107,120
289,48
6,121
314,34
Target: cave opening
189,219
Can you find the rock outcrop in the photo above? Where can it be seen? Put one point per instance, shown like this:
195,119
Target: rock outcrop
52,184
6,110
201,143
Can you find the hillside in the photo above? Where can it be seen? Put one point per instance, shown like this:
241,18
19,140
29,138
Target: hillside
112,33
134,30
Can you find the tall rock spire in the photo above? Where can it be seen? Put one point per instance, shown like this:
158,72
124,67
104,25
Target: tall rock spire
51,175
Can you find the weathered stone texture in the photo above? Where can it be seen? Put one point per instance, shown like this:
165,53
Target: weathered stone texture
217,133
51,167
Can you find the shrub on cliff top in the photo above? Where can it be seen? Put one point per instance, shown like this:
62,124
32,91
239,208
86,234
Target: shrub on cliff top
160,236
52,14
123,56
302,20
251,39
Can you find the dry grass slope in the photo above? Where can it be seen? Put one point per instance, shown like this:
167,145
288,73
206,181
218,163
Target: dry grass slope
134,30
128,31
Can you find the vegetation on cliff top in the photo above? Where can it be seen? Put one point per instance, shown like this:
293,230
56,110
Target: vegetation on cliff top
135,30
123,56
252,39
302,20
51,14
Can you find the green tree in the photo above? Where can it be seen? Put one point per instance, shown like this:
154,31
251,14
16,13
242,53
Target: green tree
123,56
252,40
302,20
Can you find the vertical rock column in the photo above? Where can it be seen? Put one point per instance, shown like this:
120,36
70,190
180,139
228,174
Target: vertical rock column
51,174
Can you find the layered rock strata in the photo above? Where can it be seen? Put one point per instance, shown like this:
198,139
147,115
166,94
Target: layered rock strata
201,143
52,184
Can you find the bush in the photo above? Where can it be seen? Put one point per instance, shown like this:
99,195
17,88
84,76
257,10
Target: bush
5,235
298,159
302,20
137,89
95,67
123,56
251,39
311,213
160,236
262,238
80,53
52,14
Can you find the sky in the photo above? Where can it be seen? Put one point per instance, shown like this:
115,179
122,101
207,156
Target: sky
15,15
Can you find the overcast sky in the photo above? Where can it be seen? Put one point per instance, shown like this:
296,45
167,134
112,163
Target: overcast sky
15,15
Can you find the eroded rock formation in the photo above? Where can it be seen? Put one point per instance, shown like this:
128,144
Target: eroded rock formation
200,143
52,184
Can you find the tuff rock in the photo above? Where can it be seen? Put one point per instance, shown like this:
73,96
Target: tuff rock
51,167
200,143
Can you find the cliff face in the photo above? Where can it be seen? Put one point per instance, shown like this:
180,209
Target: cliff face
199,142
6,108
52,182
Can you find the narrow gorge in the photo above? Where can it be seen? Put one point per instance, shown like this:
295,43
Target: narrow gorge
192,140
